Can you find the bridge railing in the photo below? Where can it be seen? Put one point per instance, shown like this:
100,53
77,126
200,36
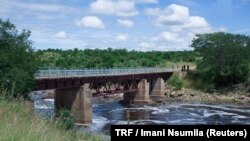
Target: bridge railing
60,73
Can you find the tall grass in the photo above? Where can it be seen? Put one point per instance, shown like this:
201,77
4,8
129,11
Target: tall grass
18,124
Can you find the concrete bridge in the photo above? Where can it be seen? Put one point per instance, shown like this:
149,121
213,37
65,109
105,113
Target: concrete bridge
74,89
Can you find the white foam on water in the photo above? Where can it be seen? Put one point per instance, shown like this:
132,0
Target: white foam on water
49,100
194,114
98,123
117,122
124,122
175,121
146,108
240,116
44,104
221,107
161,111
207,114
222,113
153,121
43,107
118,109
96,105
156,110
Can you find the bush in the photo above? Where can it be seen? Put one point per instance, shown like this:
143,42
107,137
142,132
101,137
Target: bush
175,81
65,119
199,80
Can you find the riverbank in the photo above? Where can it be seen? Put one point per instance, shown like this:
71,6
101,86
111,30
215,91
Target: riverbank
195,96
18,123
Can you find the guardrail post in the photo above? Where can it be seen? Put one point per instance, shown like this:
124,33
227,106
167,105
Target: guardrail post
49,72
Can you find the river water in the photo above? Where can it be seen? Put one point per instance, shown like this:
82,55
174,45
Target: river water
110,112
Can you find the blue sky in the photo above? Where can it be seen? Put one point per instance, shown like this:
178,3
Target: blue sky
167,25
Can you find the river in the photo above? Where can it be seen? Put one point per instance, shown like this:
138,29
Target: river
112,112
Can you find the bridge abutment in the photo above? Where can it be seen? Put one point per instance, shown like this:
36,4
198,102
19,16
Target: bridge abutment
157,92
77,100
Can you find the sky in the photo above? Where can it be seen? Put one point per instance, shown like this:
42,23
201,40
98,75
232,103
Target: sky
143,25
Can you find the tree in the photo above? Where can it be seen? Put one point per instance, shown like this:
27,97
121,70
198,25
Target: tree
17,61
224,57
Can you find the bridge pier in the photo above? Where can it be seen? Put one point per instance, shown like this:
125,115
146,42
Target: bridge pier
146,92
77,100
140,95
157,92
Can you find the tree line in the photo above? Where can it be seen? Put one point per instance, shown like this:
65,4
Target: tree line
109,58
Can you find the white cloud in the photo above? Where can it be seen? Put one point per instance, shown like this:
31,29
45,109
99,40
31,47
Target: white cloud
177,17
125,23
168,37
146,45
91,21
222,29
153,11
121,37
61,35
146,1
168,41
36,6
179,28
113,7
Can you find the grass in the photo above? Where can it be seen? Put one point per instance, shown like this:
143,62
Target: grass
18,124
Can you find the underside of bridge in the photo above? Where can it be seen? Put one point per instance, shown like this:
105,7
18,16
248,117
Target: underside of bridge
79,100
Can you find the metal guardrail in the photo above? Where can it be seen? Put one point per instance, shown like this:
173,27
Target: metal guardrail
61,73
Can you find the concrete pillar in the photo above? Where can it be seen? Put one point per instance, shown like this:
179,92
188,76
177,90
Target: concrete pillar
82,106
157,92
142,94
77,100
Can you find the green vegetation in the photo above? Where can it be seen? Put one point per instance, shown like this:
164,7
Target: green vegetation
109,58
195,80
175,81
17,124
17,66
17,60
222,60
225,58
65,119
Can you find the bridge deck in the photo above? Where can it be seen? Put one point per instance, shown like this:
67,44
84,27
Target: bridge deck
57,73
56,79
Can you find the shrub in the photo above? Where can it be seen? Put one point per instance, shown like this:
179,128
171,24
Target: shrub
175,81
65,119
